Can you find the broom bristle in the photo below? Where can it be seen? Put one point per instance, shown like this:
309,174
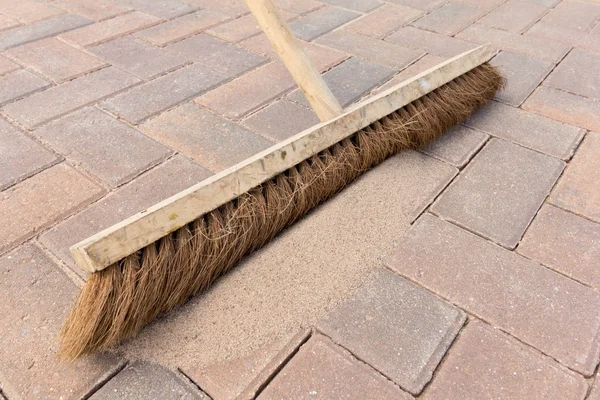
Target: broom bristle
117,302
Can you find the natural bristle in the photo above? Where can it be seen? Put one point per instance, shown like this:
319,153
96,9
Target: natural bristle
116,303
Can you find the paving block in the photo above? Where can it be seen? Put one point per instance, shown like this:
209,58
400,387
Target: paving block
7,65
233,8
523,75
429,42
151,98
109,29
59,189
571,37
500,191
396,327
55,60
144,380
323,370
527,45
457,146
96,10
528,129
181,27
378,51
168,179
20,156
540,307
281,120
545,3
138,58
356,5
485,363
28,11
574,14
165,9
425,5
566,243
579,188
298,6
384,20
241,28
18,84
37,297
217,54
8,22
514,16
321,21
448,19
566,107
102,145
422,64
41,29
595,393
578,74
57,101
215,142
350,80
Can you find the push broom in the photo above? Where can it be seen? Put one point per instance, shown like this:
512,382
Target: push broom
157,259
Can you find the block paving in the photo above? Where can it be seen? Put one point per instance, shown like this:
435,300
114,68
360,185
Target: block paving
110,106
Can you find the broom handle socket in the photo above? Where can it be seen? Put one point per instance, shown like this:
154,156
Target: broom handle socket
290,50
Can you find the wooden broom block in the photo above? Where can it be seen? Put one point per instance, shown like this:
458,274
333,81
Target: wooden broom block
115,243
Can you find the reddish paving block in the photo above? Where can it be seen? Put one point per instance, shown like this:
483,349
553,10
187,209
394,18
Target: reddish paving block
216,143
8,22
137,58
514,16
28,11
574,14
321,21
540,307
527,45
530,130
448,19
523,75
595,393
55,59
143,380
500,191
567,36
422,64
425,5
578,74
20,155
485,363
241,28
96,10
457,146
384,20
150,188
579,188
181,27
281,120
153,97
242,378
217,55
356,5
34,204
233,8
36,299
57,101
484,5
41,29
350,81
566,107
566,243
19,84
371,49
322,370
102,145
396,327
7,66
429,42
165,9
109,29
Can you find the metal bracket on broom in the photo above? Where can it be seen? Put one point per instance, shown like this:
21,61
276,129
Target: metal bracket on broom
117,242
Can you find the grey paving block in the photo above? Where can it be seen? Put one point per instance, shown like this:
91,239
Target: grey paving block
41,29
500,191
321,21
162,93
397,327
356,5
456,146
350,80
281,120
143,381
448,19
578,74
20,83
165,9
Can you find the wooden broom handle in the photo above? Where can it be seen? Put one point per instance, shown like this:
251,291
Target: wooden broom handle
310,81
